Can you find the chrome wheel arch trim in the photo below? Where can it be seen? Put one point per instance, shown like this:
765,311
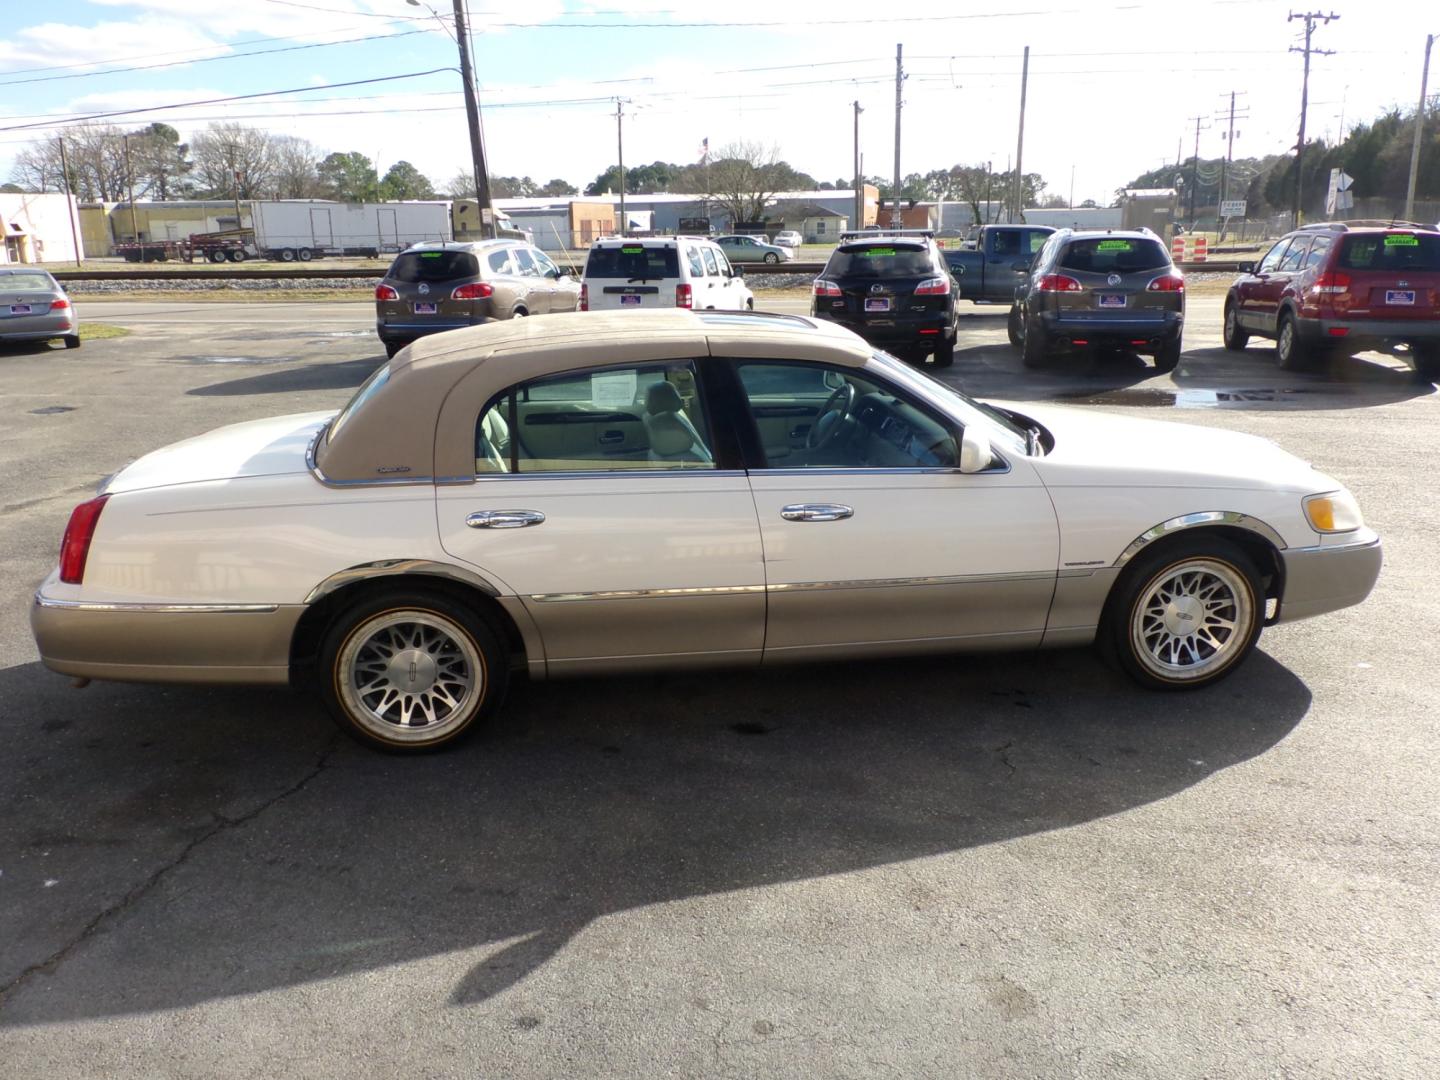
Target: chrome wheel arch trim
383,568
1197,520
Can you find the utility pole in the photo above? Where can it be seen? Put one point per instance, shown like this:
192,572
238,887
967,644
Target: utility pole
895,220
130,188
73,208
1229,151
472,118
1310,17
859,219
620,154
1419,126
1194,170
1020,142
989,172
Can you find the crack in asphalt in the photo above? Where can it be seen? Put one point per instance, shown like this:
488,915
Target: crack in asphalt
1004,757
138,893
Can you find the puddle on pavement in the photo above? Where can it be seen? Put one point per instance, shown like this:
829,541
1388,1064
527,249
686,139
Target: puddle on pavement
51,410
240,359
1199,399
343,333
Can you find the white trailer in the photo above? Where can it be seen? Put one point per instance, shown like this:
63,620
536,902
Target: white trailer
303,230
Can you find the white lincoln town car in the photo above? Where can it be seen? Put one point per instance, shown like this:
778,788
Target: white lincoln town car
613,492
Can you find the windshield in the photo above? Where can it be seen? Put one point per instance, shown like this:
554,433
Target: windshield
1395,252
633,262
1003,431
1106,254
417,266
880,261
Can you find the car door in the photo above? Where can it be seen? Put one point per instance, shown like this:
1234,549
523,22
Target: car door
714,290
1259,295
727,291
564,290
874,541
534,288
599,499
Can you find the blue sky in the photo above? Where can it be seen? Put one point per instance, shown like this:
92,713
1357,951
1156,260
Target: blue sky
1114,87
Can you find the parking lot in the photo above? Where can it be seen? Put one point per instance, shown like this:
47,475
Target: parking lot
974,866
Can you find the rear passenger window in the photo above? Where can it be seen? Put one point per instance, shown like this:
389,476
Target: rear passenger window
1318,249
499,261
710,267
615,420
697,264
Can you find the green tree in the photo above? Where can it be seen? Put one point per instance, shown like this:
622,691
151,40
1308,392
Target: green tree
655,177
348,177
559,187
161,162
404,181
511,187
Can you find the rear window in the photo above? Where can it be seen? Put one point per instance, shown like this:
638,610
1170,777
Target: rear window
880,261
26,281
416,266
633,262
1391,251
1120,255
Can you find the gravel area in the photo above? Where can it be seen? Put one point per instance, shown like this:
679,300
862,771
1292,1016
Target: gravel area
140,284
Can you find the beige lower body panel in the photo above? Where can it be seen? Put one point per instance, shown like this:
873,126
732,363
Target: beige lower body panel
1080,597
166,646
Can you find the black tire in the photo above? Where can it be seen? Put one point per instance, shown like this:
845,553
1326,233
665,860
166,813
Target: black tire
1035,346
771,258
1015,327
1426,361
216,255
237,255
1235,337
393,347
1167,357
454,655
1137,624
287,254
1290,351
72,341
750,304
304,254
944,354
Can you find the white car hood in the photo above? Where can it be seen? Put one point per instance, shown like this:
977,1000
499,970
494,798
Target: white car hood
1093,447
266,447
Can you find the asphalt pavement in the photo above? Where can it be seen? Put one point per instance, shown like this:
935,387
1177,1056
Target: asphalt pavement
1000,866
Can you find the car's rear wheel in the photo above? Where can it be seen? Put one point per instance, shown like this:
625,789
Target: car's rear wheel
1015,326
1186,614
72,341
304,254
287,254
1289,350
1235,338
944,354
771,257
1426,361
1035,346
237,255
1167,357
217,255
393,347
410,671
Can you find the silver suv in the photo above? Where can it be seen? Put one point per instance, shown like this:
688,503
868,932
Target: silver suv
1090,290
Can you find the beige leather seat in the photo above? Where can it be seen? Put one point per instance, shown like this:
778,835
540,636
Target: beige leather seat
672,436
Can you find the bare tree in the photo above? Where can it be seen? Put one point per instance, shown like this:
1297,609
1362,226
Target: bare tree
235,161
295,167
742,179
37,168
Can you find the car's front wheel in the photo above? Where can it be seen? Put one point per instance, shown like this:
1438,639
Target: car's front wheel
410,671
1185,614
1235,338
771,257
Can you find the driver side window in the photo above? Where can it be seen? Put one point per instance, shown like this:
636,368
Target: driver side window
815,416
1272,258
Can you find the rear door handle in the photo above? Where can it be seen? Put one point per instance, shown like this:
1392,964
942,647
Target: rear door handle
816,512
611,436
504,519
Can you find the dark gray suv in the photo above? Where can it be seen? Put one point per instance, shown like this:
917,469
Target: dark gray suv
444,285
1090,290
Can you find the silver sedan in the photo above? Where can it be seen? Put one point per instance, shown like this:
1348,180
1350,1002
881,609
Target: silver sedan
33,307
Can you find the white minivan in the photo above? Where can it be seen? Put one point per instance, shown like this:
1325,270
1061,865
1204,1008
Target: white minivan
662,272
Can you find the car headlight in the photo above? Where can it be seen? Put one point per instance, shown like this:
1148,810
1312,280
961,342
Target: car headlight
1333,512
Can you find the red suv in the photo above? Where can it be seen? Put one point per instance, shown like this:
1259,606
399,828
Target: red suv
1340,288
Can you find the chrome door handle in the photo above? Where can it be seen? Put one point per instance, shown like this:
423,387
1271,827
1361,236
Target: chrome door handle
816,512
504,519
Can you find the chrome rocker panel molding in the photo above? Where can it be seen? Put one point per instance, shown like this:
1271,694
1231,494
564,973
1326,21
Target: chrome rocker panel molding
1196,520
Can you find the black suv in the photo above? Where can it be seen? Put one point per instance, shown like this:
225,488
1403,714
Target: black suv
1113,289
894,290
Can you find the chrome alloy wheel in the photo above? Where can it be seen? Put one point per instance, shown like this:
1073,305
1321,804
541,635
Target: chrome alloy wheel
1192,620
410,676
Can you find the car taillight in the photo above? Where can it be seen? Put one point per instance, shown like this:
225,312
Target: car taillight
1167,283
827,288
935,286
1332,284
75,548
584,298
683,296
385,292
478,290
1059,283
59,305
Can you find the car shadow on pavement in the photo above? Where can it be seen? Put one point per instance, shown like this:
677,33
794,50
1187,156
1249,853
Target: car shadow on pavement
201,844
338,376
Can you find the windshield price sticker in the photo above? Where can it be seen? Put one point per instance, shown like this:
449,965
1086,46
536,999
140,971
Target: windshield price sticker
1113,245
614,389
1402,240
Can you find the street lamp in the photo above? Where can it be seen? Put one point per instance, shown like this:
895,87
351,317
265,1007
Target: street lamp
472,116
1419,126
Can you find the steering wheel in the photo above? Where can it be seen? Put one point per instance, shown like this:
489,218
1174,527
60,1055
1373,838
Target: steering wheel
831,419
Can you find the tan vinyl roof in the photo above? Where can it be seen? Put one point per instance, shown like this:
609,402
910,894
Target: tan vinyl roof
421,424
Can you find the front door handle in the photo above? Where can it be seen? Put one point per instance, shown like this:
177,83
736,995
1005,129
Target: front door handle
816,512
504,519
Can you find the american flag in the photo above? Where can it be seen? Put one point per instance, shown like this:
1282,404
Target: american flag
704,149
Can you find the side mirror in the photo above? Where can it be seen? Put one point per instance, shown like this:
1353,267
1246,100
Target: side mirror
975,452
737,271
1247,268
